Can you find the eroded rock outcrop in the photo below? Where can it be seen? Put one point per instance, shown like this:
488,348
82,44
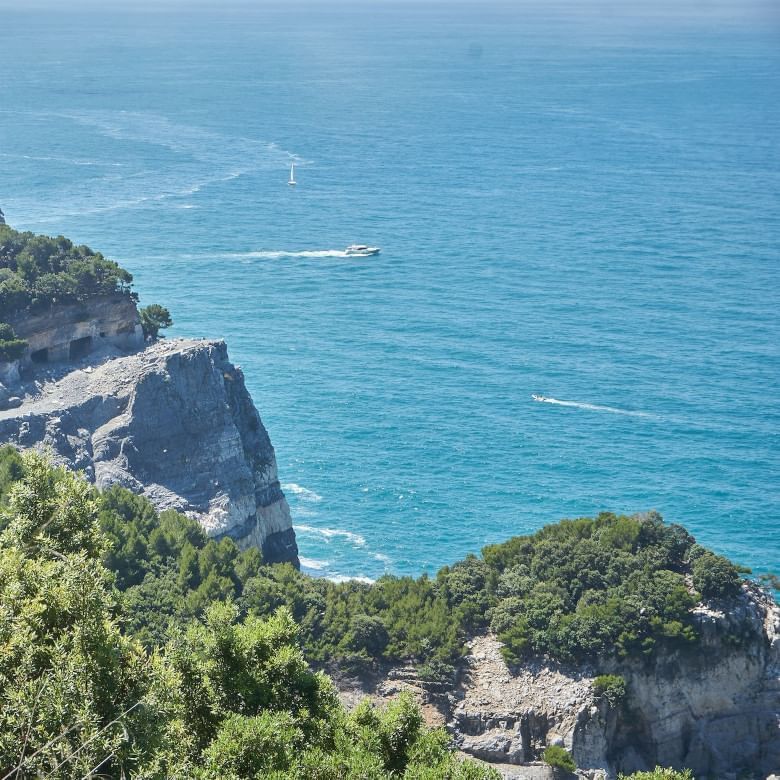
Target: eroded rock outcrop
173,422
714,709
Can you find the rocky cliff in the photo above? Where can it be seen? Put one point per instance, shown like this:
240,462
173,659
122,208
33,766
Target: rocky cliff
174,422
714,709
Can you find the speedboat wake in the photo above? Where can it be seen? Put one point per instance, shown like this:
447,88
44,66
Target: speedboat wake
588,407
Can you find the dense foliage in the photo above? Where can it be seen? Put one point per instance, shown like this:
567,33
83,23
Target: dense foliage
611,687
580,589
38,271
660,773
224,698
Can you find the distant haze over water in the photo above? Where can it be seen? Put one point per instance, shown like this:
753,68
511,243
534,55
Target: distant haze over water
582,205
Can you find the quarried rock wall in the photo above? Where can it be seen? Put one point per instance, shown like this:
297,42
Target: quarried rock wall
70,332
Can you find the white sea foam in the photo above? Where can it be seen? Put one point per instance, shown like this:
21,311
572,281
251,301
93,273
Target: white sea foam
386,559
337,578
595,407
304,494
313,563
203,158
331,533
66,160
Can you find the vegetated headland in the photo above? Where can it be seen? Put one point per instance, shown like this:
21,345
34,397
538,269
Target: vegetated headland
155,624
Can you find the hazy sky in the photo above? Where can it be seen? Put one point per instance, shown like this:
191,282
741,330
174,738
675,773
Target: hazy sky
713,8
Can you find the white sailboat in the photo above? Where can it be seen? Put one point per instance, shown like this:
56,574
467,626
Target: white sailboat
292,181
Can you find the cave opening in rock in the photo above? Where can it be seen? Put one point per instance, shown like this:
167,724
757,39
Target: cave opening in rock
40,355
80,347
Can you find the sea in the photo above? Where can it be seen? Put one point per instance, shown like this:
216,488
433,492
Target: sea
579,201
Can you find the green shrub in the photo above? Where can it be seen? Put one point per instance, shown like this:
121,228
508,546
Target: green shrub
11,348
659,774
715,577
436,672
153,319
559,758
611,687
367,633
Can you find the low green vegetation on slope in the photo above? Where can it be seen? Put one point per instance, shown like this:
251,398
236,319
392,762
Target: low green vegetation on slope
226,698
133,645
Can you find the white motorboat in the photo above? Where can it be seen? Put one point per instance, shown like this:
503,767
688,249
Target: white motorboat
538,397
292,181
361,250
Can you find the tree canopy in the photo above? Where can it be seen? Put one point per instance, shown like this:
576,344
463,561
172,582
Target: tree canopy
577,590
153,319
38,271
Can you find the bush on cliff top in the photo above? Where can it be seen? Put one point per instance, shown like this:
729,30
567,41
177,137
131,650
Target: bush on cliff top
153,319
38,271
225,697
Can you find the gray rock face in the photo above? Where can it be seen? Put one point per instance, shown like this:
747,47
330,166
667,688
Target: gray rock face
68,332
175,423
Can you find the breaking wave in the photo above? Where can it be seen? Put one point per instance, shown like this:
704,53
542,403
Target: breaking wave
338,578
313,563
304,494
331,533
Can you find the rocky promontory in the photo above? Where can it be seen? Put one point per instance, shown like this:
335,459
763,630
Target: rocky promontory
173,422
714,708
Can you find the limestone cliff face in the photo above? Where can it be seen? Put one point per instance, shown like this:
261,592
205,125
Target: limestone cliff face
715,709
174,422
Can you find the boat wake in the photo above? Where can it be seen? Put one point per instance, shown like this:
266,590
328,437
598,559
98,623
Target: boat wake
591,407
282,254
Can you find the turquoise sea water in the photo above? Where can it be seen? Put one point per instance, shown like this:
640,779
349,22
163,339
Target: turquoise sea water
583,205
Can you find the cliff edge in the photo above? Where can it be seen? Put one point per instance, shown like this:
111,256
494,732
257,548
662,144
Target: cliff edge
173,422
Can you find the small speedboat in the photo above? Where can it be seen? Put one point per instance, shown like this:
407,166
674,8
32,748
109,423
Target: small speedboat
361,250
536,397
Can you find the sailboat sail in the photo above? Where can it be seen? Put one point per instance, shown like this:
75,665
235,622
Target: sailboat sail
292,174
